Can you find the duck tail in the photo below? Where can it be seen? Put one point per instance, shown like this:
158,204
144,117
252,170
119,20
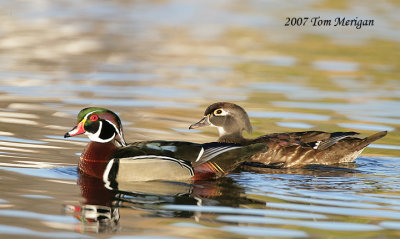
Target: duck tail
366,141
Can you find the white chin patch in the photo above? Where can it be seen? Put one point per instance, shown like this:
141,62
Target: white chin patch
96,136
221,131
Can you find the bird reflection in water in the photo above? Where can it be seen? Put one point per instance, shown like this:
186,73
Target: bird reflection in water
100,210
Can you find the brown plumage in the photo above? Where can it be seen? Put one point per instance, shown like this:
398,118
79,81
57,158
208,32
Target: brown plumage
294,149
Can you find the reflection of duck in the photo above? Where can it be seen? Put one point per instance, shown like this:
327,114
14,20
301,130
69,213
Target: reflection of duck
100,210
108,156
97,213
285,149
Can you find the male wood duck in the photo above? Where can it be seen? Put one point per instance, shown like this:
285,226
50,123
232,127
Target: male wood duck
294,149
110,158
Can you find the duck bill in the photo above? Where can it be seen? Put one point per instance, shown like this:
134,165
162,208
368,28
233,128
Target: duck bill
77,130
202,123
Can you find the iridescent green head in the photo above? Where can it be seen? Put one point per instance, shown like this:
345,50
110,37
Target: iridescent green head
100,125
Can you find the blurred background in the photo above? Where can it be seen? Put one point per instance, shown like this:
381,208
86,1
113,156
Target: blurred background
160,63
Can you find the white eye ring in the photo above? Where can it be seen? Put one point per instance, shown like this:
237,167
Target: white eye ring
220,112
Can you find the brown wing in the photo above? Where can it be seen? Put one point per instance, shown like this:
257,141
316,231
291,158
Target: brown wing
296,149
312,139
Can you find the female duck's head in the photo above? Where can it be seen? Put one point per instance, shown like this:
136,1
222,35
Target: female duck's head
229,118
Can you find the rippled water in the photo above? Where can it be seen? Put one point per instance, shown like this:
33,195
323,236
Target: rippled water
158,64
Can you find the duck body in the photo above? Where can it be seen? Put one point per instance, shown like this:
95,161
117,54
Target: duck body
175,160
95,157
285,150
111,159
298,149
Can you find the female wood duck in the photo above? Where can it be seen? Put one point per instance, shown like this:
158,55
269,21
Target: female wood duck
109,157
285,150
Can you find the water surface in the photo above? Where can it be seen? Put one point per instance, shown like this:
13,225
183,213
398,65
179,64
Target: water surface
158,64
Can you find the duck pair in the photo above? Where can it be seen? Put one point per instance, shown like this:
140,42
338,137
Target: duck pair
110,158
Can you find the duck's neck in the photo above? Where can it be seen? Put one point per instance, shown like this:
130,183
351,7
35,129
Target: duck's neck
95,157
234,138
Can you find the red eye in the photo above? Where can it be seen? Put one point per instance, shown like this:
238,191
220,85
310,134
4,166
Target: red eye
94,118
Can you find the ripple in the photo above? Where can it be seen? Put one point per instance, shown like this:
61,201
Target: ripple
3,133
264,231
324,225
336,66
384,146
18,115
293,91
384,195
248,211
27,145
325,201
289,115
375,119
40,172
119,76
388,108
390,225
38,216
298,125
188,224
279,60
130,103
366,126
278,87
19,140
337,210
37,196
387,199
20,231
18,121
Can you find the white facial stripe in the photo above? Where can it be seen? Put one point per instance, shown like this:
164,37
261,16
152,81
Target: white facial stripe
87,115
120,133
96,136
116,128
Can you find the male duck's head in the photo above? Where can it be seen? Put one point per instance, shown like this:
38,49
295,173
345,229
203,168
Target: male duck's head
229,118
100,125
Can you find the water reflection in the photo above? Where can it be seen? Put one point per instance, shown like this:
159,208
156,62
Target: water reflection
100,209
315,197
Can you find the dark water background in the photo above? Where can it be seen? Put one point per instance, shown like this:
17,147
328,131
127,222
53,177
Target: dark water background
158,64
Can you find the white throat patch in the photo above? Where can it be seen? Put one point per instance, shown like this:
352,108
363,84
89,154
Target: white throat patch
96,136
221,131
